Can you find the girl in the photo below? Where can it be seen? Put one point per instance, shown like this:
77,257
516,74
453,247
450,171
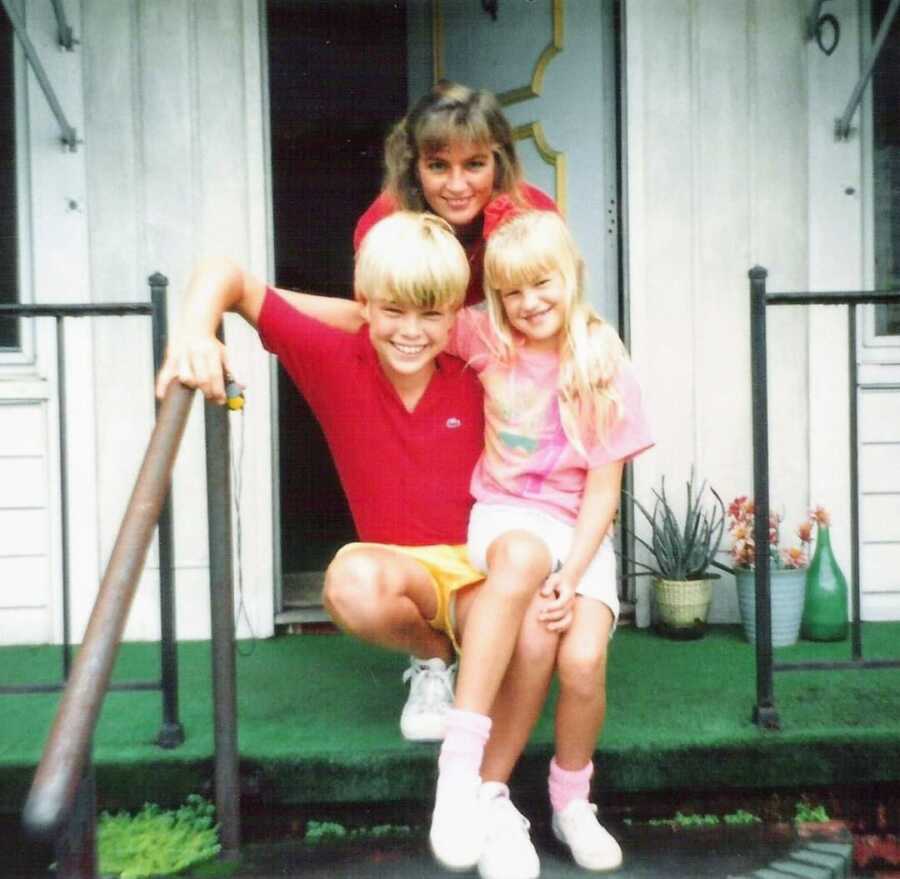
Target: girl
563,413
453,154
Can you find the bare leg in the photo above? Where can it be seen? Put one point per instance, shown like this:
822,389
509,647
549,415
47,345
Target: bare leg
579,718
518,562
522,693
521,697
581,708
385,598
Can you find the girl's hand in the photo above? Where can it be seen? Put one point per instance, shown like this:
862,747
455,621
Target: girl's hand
557,614
199,362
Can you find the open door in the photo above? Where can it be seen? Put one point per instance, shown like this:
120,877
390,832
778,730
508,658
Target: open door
553,66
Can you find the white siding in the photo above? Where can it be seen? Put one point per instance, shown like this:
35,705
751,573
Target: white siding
879,486
174,100
25,527
731,161
716,164
168,97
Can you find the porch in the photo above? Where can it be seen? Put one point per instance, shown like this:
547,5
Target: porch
318,728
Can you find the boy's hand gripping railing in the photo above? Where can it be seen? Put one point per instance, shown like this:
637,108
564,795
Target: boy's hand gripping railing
52,798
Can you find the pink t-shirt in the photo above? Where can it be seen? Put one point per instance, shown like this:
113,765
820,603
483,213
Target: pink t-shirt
527,459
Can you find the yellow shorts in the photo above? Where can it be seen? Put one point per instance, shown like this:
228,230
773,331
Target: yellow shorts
449,569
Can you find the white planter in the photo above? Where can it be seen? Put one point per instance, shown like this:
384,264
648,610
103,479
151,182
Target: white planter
787,592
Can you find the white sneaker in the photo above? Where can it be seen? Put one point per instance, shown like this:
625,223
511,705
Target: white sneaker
591,844
424,716
508,851
457,824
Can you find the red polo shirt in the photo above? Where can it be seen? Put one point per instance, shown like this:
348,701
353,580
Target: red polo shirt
406,474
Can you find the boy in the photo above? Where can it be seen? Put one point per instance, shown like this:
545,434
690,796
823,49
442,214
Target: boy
404,424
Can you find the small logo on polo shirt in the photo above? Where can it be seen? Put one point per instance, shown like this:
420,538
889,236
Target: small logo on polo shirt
453,423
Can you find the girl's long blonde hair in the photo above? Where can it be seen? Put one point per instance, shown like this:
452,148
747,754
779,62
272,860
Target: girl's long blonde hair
591,353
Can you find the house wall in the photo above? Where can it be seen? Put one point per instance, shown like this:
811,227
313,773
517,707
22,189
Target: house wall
169,99
731,162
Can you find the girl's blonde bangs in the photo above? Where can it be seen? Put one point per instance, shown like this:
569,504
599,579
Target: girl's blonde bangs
525,247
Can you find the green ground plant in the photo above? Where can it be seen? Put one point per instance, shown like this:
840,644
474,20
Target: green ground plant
157,842
319,832
806,812
691,821
740,818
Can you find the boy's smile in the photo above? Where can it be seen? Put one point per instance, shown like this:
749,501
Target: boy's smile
407,338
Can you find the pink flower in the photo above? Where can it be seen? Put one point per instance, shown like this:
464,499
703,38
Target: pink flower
794,557
741,529
736,507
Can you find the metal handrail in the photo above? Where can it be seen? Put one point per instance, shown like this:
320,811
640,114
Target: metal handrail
53,791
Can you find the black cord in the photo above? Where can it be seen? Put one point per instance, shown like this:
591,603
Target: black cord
237,466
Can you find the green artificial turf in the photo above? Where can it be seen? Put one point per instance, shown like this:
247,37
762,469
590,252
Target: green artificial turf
319,714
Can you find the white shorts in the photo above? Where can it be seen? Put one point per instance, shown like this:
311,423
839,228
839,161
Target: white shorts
488,521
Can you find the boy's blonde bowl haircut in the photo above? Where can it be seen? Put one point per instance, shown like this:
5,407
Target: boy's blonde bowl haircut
413,259
519,252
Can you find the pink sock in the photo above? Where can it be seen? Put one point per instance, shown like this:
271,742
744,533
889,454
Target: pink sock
463,747
567,785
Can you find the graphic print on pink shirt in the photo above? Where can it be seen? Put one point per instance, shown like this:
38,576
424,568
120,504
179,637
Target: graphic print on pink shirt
526,422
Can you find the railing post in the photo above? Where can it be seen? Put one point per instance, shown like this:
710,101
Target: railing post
856,631
76,845
764,713
63,494
218,492
171,733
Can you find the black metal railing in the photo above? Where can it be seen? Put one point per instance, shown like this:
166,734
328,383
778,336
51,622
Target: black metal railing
171,733
765,713
61,804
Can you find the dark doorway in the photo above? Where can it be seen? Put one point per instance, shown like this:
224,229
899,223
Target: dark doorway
337,80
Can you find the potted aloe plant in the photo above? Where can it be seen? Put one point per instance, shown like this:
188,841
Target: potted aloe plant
682,551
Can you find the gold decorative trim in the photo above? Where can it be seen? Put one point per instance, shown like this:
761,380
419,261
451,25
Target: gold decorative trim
524,92
556,159
551,50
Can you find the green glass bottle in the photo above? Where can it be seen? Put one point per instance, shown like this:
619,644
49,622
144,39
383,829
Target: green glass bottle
825,608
